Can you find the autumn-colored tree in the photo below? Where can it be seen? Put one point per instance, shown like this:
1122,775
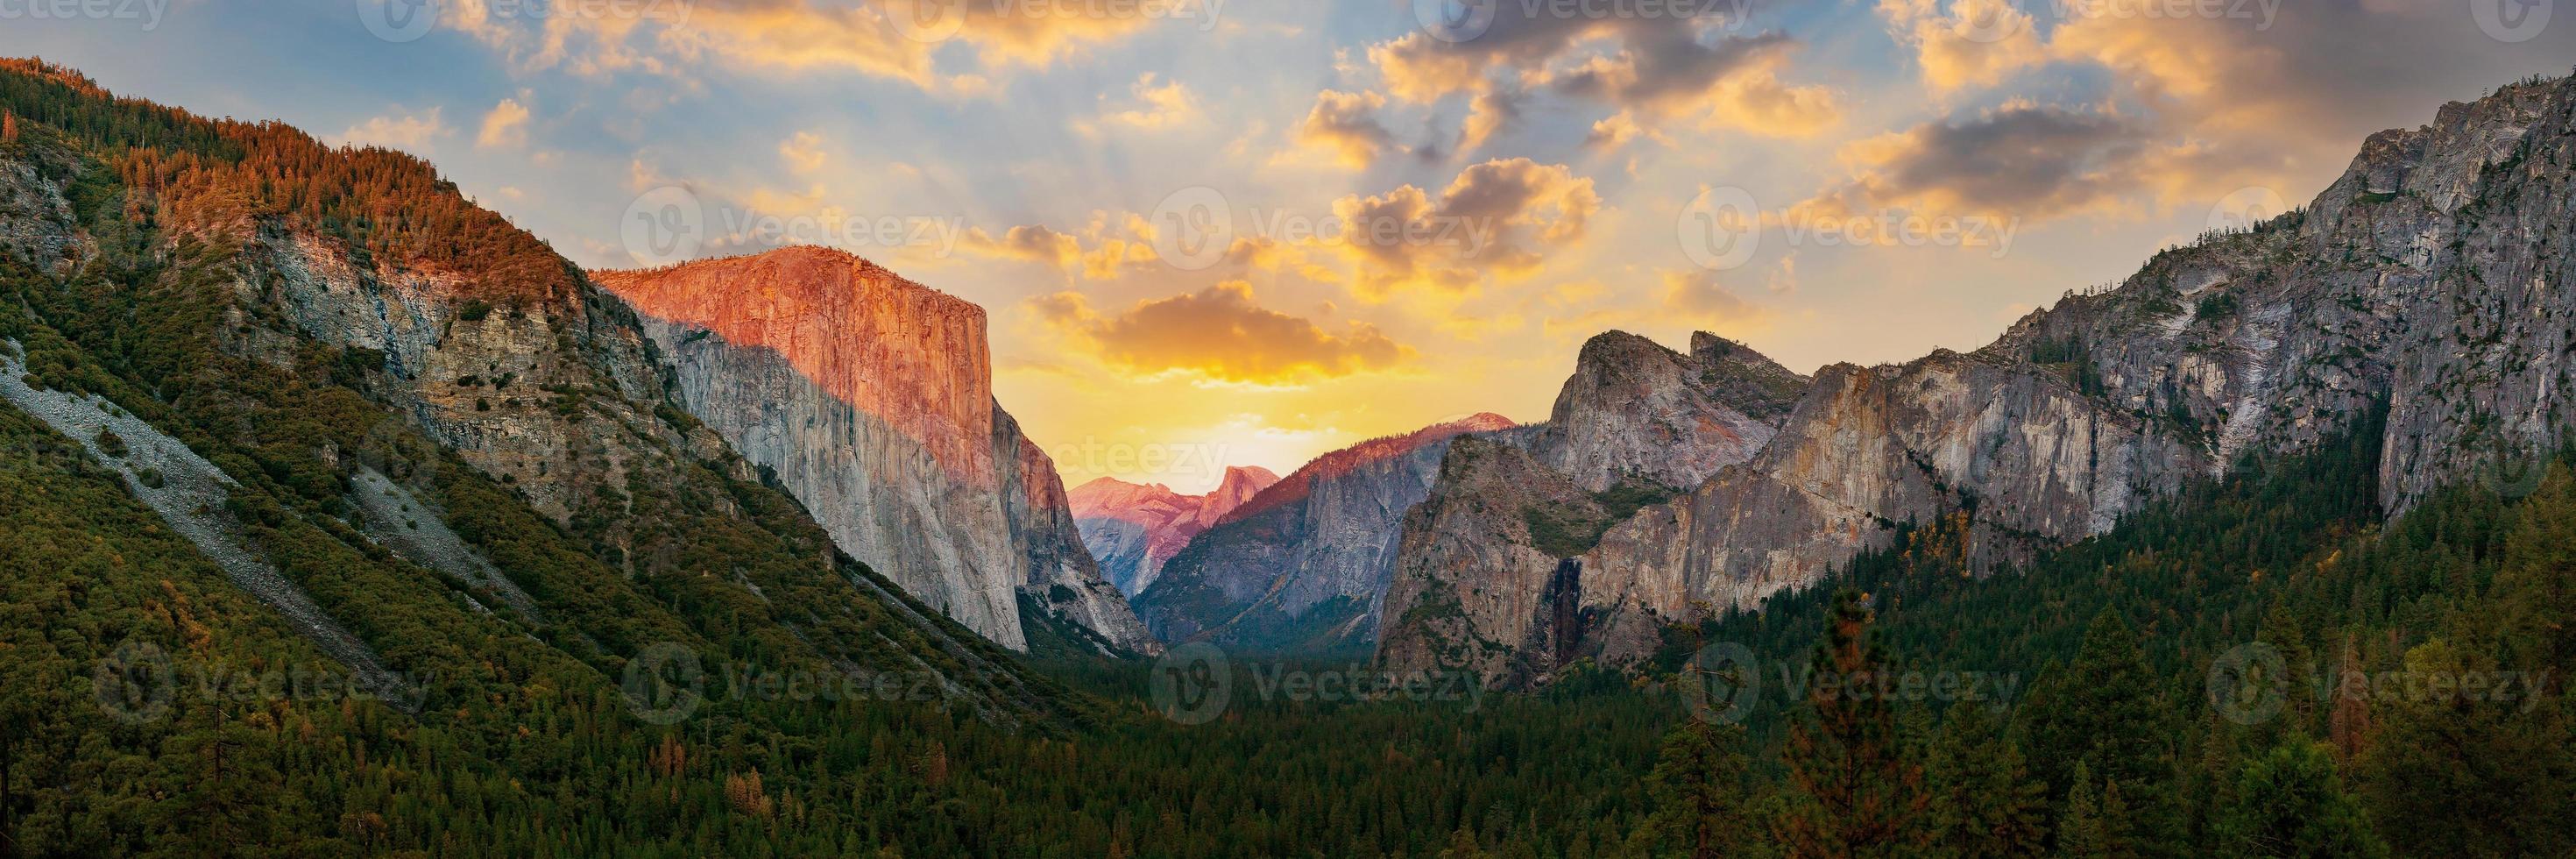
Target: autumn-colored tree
1858,792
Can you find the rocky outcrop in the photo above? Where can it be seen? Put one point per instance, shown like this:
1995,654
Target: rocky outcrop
1304,565
1486,581
1132,529
2428,280
869,397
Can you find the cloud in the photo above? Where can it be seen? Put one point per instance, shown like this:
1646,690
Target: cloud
1346,125
1158,104
1646,61
803,152
1696,295
2021,161
505,126
1034,243
1220,334
893,39
1499,218
1971,42
1492,113
409,132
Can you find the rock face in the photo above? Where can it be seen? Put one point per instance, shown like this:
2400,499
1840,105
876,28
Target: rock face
1485,576
1132,529
1305,564
2431,277
870,399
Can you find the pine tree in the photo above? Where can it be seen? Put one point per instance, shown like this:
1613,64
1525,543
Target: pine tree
1984,800
2102,711
8,127
2290,803
1701,809
2095,825
1858,794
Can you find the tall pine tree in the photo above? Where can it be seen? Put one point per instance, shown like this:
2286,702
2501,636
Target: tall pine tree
1857,792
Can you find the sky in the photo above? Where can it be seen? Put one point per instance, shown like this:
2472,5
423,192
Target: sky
1247,232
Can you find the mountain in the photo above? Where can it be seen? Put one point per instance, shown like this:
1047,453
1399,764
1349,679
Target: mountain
1635,425
1303,564
1132,529
406,426
2420,282
870,398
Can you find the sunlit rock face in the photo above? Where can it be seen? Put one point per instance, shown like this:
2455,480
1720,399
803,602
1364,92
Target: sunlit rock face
1132,529
870,399
2429,281
1485,581
1304,565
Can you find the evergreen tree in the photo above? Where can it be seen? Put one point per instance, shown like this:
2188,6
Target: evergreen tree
1984,800
2103,712
1701,809
2291,803
1858,794
2096,825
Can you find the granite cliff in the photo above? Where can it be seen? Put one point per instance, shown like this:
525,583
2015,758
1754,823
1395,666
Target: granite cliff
2428,280
869,397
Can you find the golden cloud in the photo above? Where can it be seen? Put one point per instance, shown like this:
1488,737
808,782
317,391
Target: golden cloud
1499,218
1345,124
1219,334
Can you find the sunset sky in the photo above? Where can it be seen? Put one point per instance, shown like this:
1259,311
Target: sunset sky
1525,178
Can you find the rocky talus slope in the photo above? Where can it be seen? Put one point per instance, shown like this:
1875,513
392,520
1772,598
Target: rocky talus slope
870,398
1305,564
1132,528
2430,280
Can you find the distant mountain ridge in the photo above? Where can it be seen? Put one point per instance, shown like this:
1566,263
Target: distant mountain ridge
1132,529
1303,564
